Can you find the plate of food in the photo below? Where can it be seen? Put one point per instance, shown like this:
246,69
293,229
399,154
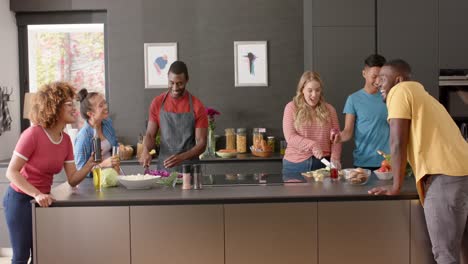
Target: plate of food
318,175
226,153
357,176
139,181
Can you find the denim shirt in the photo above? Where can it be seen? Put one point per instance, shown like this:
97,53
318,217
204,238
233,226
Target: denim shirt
84,141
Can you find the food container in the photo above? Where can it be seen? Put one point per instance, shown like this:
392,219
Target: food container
226,153
271,143
230,138
384,176
263,154
257,135
356,176
139,181
241,140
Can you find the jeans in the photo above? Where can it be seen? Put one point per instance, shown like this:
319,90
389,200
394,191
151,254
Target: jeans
18,216
446,212
307,165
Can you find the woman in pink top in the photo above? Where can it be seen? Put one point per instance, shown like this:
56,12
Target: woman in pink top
42,151
309,125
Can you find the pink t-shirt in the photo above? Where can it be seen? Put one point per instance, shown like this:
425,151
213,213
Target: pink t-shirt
301,142
43,156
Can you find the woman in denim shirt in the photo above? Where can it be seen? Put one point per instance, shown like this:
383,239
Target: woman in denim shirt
94,110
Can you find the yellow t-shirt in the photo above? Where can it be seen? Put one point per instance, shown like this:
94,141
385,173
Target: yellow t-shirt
435,144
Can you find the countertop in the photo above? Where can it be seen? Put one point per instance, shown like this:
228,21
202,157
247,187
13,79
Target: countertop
247,157
85,195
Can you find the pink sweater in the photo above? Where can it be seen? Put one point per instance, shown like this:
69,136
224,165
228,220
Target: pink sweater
301,142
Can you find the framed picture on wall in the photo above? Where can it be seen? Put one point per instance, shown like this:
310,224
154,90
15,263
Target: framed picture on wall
158,59
250,63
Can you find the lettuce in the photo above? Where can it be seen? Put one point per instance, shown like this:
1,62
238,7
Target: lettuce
109,177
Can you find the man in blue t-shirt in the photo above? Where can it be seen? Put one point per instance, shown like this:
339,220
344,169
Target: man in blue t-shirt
366,117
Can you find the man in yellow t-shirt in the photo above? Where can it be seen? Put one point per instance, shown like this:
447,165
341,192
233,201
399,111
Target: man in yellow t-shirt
422,132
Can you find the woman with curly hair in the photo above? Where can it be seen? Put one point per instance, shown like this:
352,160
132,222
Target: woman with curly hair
93,108
309,123
42,151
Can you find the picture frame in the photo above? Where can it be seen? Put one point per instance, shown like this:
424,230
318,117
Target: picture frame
158,59
250,63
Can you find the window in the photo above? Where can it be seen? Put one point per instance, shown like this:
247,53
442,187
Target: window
62,46
73,53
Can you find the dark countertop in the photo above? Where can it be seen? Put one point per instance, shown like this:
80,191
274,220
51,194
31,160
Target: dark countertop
84,194
247,157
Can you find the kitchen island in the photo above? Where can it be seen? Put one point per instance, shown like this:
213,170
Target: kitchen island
311,222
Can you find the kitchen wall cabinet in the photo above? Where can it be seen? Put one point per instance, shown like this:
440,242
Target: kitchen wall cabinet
177,234
271,233
82,235
453,39
408,30
349,231
332,13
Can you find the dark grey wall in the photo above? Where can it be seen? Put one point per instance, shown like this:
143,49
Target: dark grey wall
339,37
205,31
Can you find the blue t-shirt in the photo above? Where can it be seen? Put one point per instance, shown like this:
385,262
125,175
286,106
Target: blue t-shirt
371,130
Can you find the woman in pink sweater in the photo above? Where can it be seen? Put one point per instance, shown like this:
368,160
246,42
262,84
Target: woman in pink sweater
309,125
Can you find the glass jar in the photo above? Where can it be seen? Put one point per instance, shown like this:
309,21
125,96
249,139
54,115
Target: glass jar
241,140
257,137
230,138
271,143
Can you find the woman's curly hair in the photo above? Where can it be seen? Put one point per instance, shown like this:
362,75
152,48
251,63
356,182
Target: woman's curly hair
48,102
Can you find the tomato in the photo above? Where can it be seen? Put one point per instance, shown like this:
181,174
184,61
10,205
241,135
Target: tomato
383,169
385,163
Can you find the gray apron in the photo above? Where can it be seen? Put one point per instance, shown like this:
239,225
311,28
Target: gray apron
177,132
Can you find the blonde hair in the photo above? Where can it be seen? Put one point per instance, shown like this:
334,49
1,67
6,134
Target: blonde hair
305,113
48,101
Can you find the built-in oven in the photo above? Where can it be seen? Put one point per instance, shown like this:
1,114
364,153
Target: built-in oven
453,94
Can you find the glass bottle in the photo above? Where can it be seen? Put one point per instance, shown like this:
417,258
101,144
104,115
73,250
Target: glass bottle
186,177
257,137
241,140
97,181
334,171
271,143
230,138
97,147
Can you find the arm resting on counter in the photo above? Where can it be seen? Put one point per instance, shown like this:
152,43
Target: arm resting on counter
13,174
399,135
199,148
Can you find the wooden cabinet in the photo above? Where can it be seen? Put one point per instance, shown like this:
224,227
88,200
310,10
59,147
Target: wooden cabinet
177,234
364,232
76,235
421,252
271,233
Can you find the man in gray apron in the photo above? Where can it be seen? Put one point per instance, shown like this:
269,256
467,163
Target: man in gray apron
183,134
